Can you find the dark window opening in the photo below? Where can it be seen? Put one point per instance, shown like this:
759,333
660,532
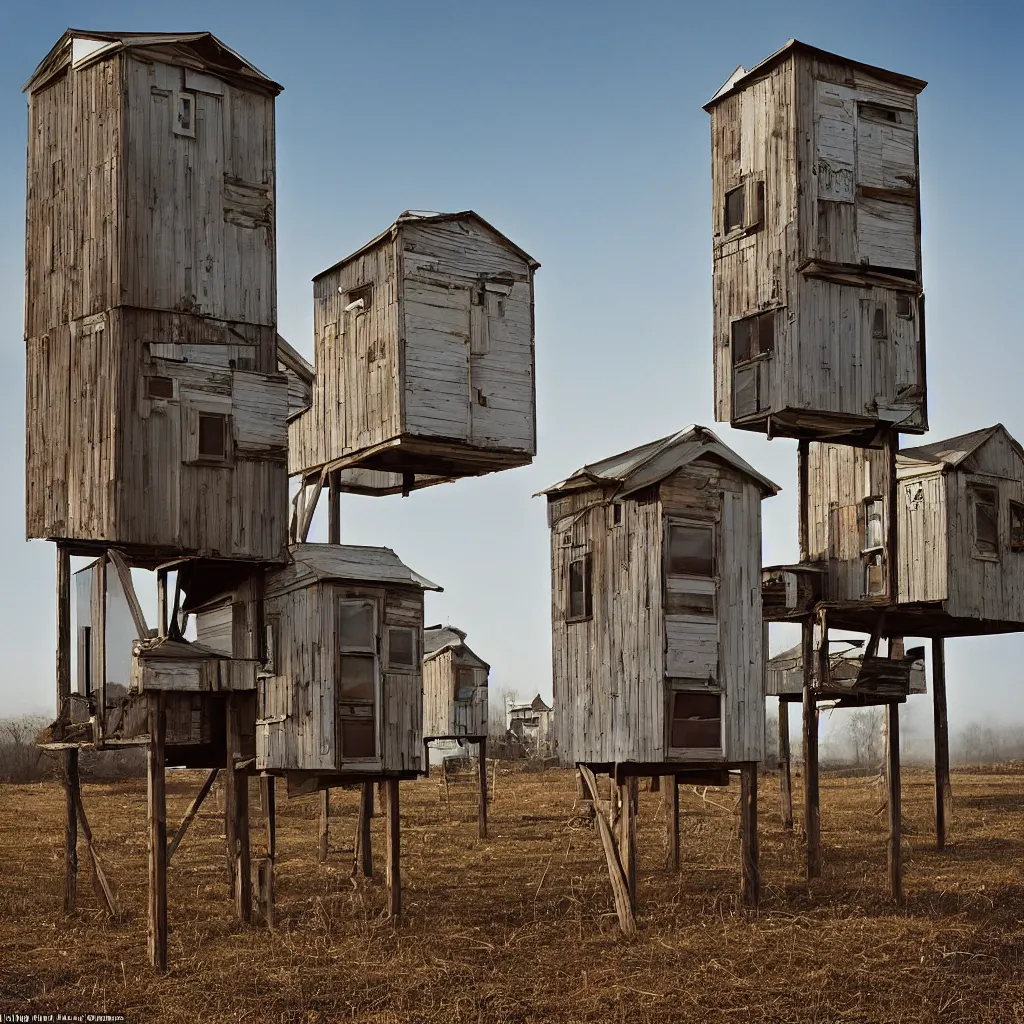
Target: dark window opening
401,648
878,323
213,435
358,734
735,208
357,677
86,654
1016,526
184,115
875,112
581,598
616,513
691,550
986,522
758,218
753,336
464,684
904,306
159,387
363,294
696,720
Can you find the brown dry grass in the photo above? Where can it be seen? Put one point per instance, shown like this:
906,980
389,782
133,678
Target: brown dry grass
520,927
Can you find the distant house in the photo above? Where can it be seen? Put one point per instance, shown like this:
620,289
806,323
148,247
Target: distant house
785,672
532,724
454,694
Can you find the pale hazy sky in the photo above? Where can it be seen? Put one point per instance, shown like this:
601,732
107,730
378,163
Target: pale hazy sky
577,129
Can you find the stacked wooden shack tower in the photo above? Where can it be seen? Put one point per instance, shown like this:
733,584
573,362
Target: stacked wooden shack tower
165,415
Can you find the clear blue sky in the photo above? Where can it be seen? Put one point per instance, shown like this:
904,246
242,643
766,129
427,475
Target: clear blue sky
577,129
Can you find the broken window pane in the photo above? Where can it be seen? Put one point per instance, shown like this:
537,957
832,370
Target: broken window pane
581,604
1016,526
691,550
696,719
766,333
986,521
735,208
904,305
753,336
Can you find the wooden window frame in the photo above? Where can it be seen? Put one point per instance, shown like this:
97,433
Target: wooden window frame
193,409
460,671
587,561
759,318
974,492
363,292
185,131
866,506
271,641
1016,511
372,651
394,666
674,522
676,686
753,189
151,379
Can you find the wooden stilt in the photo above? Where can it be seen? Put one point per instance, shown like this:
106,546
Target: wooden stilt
161,602
71,785
99,652
620,887
943,789
239,811
670,796
393,851
812,811
192,811
63,681
157,815
750,876
334,509
364,848
895,801
482,766
265,875
325,825
785,766
628,798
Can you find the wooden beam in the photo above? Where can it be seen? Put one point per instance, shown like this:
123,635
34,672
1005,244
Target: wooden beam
334,509
161,602
124,575
812,811
785,766
750,877
71,798
895,801
803,464
393,851
670,797
99,648
943,787
193,810
267,867
309,507
363,847
157,820
323,842
891,446
243,865
63,664
628,799
620,887
482,771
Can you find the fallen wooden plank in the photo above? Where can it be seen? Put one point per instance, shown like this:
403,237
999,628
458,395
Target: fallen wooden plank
620,886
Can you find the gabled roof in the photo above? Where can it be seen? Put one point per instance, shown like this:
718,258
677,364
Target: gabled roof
201,51
438,639
651,463
416,216
740,78
954,450
356,564
537,704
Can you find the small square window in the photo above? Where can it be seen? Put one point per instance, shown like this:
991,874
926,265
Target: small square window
159,387
691,550
1016,526
360,299
986,521
904,306
464,683
185,115
735,208
581,598
696,719
355,625
753,336
401,648
358,736
213,435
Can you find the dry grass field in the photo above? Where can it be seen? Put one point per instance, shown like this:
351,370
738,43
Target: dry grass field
520,927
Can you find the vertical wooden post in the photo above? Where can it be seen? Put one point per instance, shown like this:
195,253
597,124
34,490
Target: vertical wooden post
393,854
364,848
157,819
99,649
161,602
812,809
628,796
785,765
803,468
891,447
334,509
325,825
670,798
482,765
895,801
63,681
239,789
265,874
71,785
750,877
942,783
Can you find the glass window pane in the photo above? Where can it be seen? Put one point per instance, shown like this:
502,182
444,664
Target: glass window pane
986,525
356,677
735,208
691,551
401,648
766,333
355,624
464,684
358,737
580,599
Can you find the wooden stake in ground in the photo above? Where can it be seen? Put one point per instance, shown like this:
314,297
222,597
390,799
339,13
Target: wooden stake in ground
812,811
750,876
238,812
393,851
364,849
670,797
157,817
63,680
895,801
943,789
266,870
71,784
628,800
325,825
482,770
785,766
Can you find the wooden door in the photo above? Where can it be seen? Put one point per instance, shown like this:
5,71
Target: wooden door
357,680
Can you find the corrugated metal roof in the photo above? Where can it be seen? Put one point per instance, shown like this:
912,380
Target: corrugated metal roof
651,463
740,77
358,564
79,47
953,450
411,216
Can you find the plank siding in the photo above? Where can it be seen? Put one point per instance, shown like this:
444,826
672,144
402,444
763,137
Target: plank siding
443,715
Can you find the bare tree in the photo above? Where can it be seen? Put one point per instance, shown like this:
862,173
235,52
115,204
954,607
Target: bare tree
864,731
20,759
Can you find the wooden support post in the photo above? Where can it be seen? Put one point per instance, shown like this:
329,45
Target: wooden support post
895,801
891,446
943,789
364,848
239,813
482,766
670,797
325,825
812,810
193,810
785,766
63,681
157,815
99,649
803,468
393,851
628,797
161,602
750,876
334,509
266,871
71,785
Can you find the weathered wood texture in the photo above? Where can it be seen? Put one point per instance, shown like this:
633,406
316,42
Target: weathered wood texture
392,850
750,873
425,333
157,820
812,797
454,692
943,788
615,672
785,766
825,238
150,302
893,779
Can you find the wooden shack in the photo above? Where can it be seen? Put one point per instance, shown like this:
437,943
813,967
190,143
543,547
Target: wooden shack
156,415
424,356
454,687
784,675
960,534
341,692
532,725
656,607
818,297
